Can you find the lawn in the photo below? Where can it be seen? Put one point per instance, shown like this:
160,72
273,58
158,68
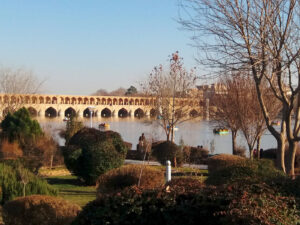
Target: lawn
73,190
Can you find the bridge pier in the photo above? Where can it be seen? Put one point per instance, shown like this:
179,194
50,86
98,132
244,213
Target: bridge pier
115,113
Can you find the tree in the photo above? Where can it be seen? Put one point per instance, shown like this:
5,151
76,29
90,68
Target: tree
131,91
72,127
260,36
173,93
20,127
239,109
17,81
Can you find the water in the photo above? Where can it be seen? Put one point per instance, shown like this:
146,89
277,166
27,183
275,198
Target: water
193,133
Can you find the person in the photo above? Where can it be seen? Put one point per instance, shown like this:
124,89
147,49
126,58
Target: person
141,142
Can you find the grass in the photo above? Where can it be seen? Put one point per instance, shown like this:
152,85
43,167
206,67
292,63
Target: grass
73,190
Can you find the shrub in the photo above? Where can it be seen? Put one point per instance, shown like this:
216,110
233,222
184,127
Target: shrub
221,161
185,185
13,179
10,150
198,155
126,176
39,210
234,204
254,171
168,151
240,151
91,152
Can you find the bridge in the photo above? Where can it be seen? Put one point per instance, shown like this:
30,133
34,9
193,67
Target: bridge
85,106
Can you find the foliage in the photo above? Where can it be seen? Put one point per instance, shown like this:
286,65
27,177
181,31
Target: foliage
221,161
131,91
226,204
91,152
39,210
117,179
255,171
20,127
168,151
10,150
195,155
11,178
73,125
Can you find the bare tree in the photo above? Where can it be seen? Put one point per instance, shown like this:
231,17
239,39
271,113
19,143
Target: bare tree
15,82
260,36
173,93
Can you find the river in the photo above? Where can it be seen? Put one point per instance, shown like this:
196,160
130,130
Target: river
193,132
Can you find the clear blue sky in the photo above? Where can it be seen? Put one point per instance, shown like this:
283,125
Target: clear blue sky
80,46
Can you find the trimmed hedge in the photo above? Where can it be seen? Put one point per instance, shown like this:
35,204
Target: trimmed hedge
39,210
168,150
12,186
226,204
253,171
91,152
117,179
221,161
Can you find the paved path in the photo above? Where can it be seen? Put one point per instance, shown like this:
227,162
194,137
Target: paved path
153,163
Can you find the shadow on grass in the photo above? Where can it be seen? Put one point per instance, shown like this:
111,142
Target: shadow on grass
65,181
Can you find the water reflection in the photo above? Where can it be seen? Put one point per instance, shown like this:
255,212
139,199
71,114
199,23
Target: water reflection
191,132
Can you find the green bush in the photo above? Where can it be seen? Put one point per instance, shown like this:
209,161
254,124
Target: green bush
198,155
221,161
12,179
91,152
255,171
168,151
39,210
117,179
226,204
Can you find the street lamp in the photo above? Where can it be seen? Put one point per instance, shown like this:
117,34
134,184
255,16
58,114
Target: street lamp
91,108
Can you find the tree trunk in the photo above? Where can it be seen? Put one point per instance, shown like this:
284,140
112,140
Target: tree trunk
290,162
251,152
280,164
233,137
258,147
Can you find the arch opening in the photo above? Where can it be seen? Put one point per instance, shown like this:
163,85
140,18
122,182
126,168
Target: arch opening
153,113
106,113
50,112
88,113
193,113
123,113
70,112
139,113
32,111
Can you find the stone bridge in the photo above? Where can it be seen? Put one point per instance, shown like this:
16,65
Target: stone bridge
83,106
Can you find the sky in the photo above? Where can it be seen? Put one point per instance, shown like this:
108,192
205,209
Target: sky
80,46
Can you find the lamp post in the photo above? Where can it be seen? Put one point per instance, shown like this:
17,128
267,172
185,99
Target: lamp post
91,108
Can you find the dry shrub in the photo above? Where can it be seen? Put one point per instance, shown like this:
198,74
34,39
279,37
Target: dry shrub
222,161
39,210
184,185
126,176
10,150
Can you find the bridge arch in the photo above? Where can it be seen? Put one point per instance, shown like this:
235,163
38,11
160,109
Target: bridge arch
41,99
70,112
153,113
32,111
106,113
115,101
139,113
73,100
87,113
123,113
194,113
50,112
